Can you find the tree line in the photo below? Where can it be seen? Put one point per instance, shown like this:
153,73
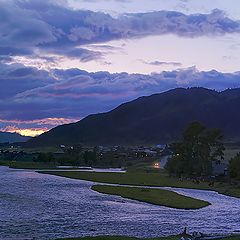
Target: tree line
77,156
194,154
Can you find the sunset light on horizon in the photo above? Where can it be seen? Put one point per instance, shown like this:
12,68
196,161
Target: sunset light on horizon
119,119
68,59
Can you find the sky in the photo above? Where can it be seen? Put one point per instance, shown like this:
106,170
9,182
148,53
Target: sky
63,60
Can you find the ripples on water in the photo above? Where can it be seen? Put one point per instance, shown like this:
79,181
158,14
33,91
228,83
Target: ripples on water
41,206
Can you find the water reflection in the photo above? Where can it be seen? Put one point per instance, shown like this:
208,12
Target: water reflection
41,206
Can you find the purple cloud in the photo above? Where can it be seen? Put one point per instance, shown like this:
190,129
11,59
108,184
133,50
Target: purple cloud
29,93
162,63
16,78
47,27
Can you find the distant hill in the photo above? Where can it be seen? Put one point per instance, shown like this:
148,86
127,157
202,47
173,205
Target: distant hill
159,118
12,137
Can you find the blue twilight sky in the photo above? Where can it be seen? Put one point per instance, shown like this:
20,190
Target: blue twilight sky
62,60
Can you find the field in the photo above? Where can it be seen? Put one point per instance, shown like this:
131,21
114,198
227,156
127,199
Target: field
154,196
28,165
159,179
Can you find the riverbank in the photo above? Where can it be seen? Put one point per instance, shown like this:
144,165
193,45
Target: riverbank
28,165
154,196
123,238
68,208
136,177
130,238
154,179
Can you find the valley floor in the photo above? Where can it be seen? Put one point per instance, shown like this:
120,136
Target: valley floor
155,179
154,196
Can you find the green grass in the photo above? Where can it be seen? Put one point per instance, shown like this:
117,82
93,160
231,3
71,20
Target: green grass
130,238
31,165
5,163
159,179
132,178
229,190
122,238
232,238
154,196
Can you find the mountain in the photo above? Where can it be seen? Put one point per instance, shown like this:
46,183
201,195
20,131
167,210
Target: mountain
159,118
12,137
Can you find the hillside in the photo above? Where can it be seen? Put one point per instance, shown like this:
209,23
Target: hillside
159,118
12,137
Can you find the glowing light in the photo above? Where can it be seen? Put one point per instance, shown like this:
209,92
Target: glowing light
29,132
34,127
156,165
44,121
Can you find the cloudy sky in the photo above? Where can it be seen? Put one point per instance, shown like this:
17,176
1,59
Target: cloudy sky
62,60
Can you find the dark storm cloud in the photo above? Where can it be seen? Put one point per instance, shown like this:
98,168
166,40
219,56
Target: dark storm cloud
21,26
16,78
38,28
41,27
28,93
13,51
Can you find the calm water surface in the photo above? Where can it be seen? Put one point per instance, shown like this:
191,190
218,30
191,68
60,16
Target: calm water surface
40,206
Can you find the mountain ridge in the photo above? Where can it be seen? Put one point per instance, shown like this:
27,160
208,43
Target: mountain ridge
7,137
154,119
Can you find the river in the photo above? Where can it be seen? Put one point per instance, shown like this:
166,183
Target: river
41,206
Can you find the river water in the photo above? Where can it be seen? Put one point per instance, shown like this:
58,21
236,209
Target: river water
40,206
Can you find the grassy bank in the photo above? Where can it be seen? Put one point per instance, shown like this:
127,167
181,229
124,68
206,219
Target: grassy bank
31,165
160,179
123,238
27,165
5,163
129,238
154,196
130,178
34,165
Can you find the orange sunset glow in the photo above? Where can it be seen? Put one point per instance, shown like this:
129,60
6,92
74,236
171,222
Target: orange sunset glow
32,128
29,132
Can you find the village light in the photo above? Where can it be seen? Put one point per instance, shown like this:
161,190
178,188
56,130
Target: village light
156,165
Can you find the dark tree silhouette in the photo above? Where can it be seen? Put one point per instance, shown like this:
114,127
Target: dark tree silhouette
195,153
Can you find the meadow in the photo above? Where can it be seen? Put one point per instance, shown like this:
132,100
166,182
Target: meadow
148,178
154,196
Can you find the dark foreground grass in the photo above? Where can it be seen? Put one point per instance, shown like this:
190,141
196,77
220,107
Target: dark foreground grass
129,238
232,238
31,165
131,178
27,165
154,196
5,163
160,179
122,238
